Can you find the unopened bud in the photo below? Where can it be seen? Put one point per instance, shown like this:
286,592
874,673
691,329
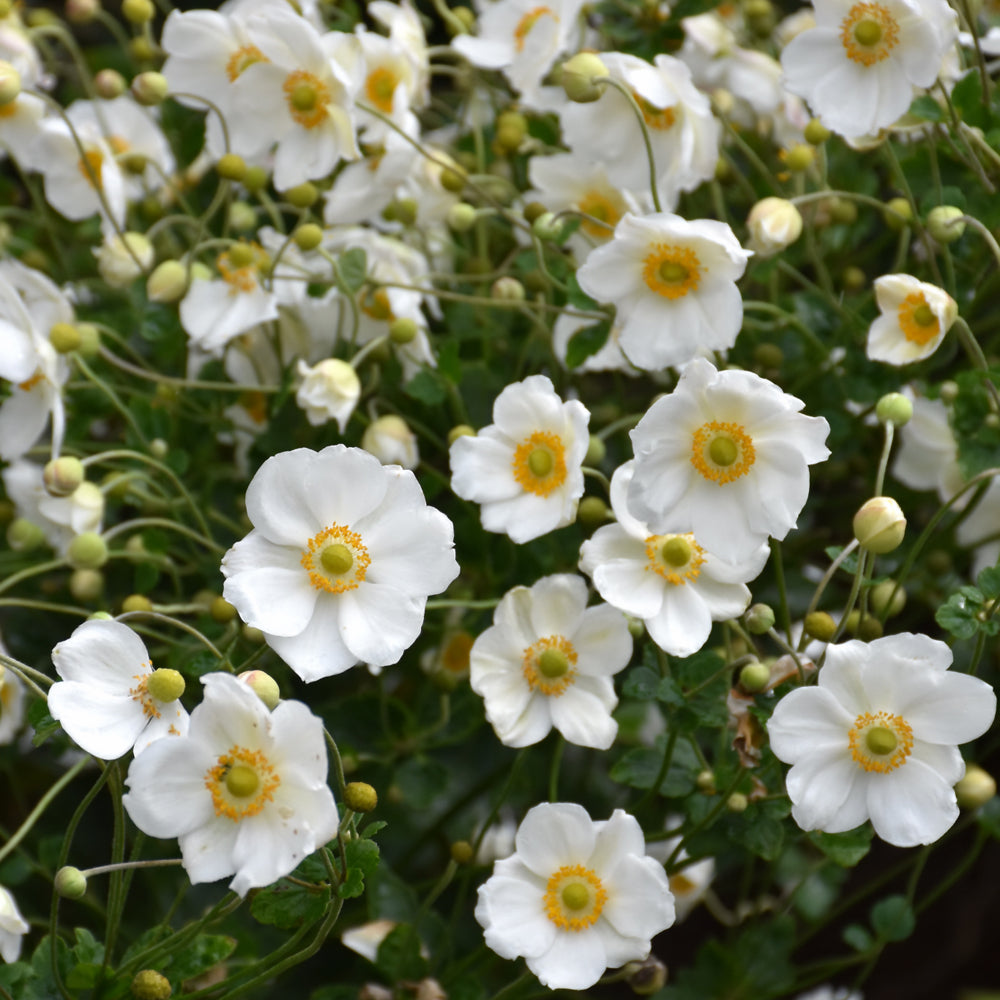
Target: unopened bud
138,11
580,75
754,677
944,223
168,282
263,685
64,337
255,179
800,157
592,511
70,882
460,430
461,217
866,627
87,551
511,129
150,88
737,802
646,977
82,11
774,224
879,525
705,782
151,985
231,167
899,214
759,618
86,584
462,852
816,133
886,599
109,84
403,330
63,475
894,408
308,236
221,610
508,289
976,788
391,441
820,625
360,797
122,259
23,535
546,226
137,602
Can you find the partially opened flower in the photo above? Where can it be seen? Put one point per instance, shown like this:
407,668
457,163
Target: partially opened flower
110,699
244,792
576,898
548,661
725,456
13,927
673,283
342,558
915,317
330,390
876,738
525,469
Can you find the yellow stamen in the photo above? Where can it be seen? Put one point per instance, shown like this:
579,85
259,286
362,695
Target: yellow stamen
242,782
917,319
722,452
869,33
243,59
672,271
524,26
602,207
574,897
380,87
91,165
658,118
307,98
677,558
342,560
880,742
549,665
140,693
539,463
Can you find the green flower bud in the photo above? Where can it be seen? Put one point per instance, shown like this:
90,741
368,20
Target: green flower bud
222,611
70,882
241,216
168,282
879,599
820,625
453,179
507,289
81,11
853,278
976,788
137,602
546,226
768,356
64,337
944,225
816,133
461,217
255,179
23,535
532,211
252,634
705,782
403,331
580,76
142,49
899,214
460,430
150,88
754,677
592,511
231,167
138,11
597,451
646,977
62,476
800,158
90,340
151,985
308,236
879,525
894,408
109,84
759,618
86,584
263,685
360,797
462,852
737,802
88,550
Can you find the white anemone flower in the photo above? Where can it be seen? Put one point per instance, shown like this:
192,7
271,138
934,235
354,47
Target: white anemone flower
548,661
526,468
110,699
406,29
390,86
13,927
677,587
329,391
725,456
576,898
877,738
245,792
673,283
341,561
927,458
859,65
914,318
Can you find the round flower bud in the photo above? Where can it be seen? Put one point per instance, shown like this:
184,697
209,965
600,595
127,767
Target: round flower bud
866,627
886,599
894,408
879,525
816,133
465,16
597,451
820,625
263,685
138,11
737,802
461,217
976,788
636,627
511,130
800,157
109,84
159,448
23,535
391,441
460,430
308,236
100,616
302,195
252,634
255,179
241,216
231,167
87,551
165,684
768,356
221,610
137,602
70,882
546,226
580,76
86,584
360,797
899,214
150,88
63,475
759,618
754,677
705,782
532,210
453,179
462,852
81,11
151,985
592,511
843,211
774,224
90,340
10,83
646,977
853,278
168,282
64,337
507,289
944,225
403,330
402,210
124,258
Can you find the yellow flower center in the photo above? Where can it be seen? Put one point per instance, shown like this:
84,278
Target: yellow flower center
549,665
376,304
868,33
242,782
336,559
90,165
677,558
380,86
880,742
242,59
722,452
672,271
455,655
524,26
140,693
307,98
574,897
658,118
241,265
539,463
601,207
28,384
917,320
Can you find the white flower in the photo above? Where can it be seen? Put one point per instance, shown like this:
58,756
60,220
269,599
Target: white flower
244,792
724,456
674,285
915,317
13,927
391,441
390,85
876,738
329,391
928,453
548,661
342,558
857,68
365,939
576,898
110,700
525,469
774,224
677,587
12,704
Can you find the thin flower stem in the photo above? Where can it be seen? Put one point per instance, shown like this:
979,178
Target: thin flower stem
169,620
112,396
883,462
988,238
975,353
668,756
185,383
859,577
26,673
161,522
338,764
787,647
153,863
779,579
827,577
709,817
557,755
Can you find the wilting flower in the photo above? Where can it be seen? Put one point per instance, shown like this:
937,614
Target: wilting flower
525,469
548,661
13,927
576,898
244,792
915,317
877,738
110,699
342,558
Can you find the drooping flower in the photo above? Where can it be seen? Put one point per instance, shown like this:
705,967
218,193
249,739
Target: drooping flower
859,65
13,927
330,390
914,318
576,898
725,456
548,661
677,587
343,555
673,283
244,792
110,699
877,738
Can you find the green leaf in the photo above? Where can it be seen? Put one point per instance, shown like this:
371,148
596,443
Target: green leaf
353,267
286,905
43,723
586,341
577,297
857,937
988,582
927,109
362,860
83,976
641,683
87,947
421,780
893,918
426,387
640,767
399,955
849,565
759,833
958,616
845,849
202,954
988,817
967,99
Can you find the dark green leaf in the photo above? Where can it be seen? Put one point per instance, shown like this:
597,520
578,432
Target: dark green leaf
845,849
857,937
893,918
641,683
927,109
421,780
640,767
759,833
586,341
87,947
204,952
967,99
426,387
399,955
287,905
43,723
577,297
988,582
958,617
353,267
83,976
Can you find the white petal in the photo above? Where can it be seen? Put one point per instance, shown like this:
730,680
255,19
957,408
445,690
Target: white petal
821,785
378,622
574,962
584,716
277,501
510,909
555,834
208,850
102,724
319,650
641,904
951,708
805,719
911,805
412,550
603,642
